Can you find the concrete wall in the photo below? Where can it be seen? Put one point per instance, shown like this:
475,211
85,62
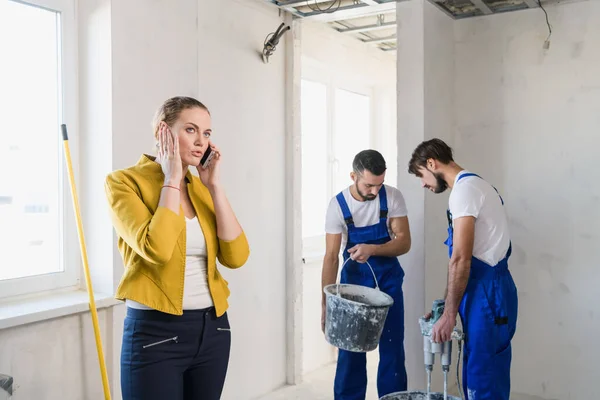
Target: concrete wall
327,53
528,120
134,55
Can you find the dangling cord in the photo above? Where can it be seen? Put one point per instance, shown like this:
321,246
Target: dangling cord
457,370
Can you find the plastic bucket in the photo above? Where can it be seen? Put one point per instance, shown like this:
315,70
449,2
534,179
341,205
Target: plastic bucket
355,315
417,396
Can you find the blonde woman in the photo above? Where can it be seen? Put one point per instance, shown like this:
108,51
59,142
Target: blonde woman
172,227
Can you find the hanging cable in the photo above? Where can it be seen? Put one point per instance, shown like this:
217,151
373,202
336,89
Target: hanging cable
272,40
547,21
329,9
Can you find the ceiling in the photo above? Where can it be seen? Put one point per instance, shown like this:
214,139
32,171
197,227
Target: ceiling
374,21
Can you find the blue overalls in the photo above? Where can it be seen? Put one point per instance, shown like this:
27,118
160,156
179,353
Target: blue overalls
488,312
351,374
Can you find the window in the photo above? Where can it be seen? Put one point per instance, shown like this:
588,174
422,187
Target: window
336,124
38,245
351,135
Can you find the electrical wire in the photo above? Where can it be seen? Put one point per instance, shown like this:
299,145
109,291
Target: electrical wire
547,21
269,36
271,41
317,8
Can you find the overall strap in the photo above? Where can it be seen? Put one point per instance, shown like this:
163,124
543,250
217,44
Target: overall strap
472,174
467,174
383,206
449,216
501,199
345,209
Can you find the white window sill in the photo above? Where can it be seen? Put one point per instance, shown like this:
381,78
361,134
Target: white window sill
27,310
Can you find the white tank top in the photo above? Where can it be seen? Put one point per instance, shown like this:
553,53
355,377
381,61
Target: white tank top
196,294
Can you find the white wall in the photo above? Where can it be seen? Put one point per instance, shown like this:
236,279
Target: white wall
439,122
528,120
425,98
520,116
247,102
327,53
346,55
134,55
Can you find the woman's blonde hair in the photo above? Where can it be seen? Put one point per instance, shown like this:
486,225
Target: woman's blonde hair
169,111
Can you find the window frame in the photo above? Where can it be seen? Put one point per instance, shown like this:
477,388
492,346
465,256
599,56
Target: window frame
69,278
313,247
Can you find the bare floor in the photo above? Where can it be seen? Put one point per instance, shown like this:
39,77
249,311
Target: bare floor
318,385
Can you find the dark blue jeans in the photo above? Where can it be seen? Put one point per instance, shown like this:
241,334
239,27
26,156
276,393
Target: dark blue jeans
166,356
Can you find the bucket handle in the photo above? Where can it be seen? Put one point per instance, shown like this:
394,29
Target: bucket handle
371,268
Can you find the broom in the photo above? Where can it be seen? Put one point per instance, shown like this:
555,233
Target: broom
88,280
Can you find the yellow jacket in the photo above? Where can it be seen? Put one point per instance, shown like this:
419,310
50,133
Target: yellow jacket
151,239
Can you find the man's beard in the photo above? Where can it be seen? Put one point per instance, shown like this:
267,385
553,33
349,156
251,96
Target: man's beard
441,184
367,197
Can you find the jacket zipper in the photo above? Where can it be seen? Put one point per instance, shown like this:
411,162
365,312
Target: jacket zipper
223,329
174,339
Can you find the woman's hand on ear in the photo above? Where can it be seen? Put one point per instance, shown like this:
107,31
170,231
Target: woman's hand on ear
168,155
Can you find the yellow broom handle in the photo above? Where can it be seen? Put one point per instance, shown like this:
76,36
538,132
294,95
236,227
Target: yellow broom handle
86,269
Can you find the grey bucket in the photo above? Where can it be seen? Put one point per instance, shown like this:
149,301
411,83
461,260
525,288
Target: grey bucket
355,315
417,396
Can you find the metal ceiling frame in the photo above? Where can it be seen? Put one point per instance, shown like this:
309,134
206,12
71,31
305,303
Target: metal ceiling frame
357,10
367,28
340,16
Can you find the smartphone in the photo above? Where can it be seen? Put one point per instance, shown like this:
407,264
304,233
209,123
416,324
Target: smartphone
207,157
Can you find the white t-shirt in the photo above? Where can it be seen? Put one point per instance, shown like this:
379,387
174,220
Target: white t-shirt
195,287
196,294
364,213
472,196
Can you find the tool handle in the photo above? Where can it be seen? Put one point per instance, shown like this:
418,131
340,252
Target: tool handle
84,259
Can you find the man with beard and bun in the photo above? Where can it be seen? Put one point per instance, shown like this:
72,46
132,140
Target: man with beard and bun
372,219
480,286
